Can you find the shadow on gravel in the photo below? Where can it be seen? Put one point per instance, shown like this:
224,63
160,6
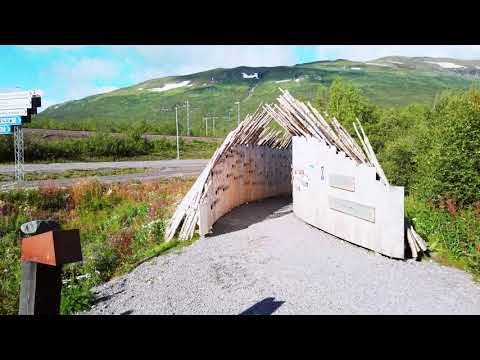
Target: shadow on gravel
265,307
106,297
249,214
128,312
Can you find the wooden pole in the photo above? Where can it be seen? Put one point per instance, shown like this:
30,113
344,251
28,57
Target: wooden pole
41,286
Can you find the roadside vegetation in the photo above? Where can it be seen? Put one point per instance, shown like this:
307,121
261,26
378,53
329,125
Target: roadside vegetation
105,147
434,152
120,226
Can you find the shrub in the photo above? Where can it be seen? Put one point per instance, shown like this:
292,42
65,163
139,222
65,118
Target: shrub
451,167
456,238
346,102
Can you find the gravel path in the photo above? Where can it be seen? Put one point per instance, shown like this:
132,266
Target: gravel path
263,260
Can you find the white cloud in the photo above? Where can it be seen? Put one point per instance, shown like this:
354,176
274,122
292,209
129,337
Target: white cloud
76,78
84,69
370,52
165,60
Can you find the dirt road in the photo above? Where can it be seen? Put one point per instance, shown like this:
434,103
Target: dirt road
264,260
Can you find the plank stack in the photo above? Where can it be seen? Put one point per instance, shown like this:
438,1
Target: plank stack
415,242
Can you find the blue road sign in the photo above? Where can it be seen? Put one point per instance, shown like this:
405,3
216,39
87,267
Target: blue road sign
11,120
5,129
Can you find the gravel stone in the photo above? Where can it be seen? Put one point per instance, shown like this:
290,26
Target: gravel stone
262,259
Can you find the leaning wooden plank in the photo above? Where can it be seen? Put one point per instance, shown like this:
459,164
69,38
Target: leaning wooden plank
420,241
411,244
376,163
409,231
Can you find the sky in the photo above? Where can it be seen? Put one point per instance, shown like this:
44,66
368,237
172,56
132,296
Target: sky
68,72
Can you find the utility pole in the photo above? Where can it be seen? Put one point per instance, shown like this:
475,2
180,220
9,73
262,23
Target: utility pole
206,126
176,123
213,127
238,116
188,120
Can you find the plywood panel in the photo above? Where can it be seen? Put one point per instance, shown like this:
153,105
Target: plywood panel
342,182
371,216
244,174
352,208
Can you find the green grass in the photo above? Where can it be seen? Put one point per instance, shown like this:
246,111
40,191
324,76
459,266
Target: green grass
120,227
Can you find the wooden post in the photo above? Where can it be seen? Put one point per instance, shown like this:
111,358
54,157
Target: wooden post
43,256
41,289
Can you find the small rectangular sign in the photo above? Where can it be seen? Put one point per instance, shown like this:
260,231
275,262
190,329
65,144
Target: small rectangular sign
11,120
13,112
352,208
342,182
5,129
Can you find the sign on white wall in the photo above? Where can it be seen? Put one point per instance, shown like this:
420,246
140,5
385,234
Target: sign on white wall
335,194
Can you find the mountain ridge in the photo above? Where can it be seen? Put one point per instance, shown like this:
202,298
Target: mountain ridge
387,81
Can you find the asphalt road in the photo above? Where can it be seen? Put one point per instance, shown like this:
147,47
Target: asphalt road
158,169
263,260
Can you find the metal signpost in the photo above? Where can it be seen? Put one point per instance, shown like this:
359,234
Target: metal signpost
16,108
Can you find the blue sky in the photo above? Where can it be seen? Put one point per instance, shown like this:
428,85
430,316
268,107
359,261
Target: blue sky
65,72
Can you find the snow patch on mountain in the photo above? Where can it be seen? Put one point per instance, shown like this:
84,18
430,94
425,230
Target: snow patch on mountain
171,86
250,76
446,65
378,64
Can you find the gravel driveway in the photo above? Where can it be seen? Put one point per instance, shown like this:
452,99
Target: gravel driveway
264,260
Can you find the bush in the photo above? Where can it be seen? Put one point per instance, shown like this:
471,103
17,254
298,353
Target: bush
451,166
455,238
346,102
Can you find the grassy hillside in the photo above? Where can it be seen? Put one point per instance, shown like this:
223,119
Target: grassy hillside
391,81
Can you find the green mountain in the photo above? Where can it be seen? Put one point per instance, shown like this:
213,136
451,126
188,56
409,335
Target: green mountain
388,81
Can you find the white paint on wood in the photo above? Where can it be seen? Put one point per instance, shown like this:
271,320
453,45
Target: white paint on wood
342,182
385,235
352,208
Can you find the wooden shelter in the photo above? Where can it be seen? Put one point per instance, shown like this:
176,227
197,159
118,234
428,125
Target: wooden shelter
255,162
